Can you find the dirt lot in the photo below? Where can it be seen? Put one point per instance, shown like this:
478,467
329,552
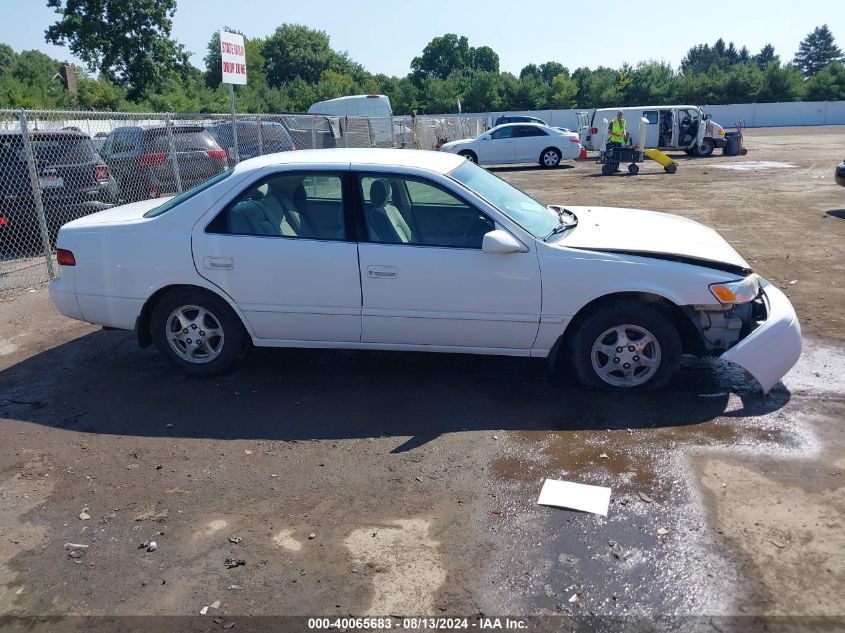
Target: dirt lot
379,483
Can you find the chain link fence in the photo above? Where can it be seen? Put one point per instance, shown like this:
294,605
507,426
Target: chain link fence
57,166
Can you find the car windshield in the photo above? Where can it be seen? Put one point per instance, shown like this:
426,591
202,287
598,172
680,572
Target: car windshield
190,193
532,216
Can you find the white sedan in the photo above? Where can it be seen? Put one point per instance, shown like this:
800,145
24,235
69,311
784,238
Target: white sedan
418,251
518,143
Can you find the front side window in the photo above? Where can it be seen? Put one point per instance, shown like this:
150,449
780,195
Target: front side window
505,132
416,212
292,204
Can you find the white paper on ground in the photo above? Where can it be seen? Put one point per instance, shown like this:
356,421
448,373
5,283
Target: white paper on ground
568,494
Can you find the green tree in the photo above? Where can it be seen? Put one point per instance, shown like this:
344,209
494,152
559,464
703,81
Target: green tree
484,59
294,50
828,84
7,58
441,57
564,92
127,41
766,55
816,51
781,83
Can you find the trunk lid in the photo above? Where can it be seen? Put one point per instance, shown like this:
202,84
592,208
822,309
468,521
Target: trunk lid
124,213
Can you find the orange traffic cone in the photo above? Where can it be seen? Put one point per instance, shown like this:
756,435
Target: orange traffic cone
583,154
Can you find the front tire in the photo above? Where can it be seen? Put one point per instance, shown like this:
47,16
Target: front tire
705,149
470,156
197,332
550,158
625,345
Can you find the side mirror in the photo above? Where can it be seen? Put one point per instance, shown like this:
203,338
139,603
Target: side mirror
501,243
706,117
486,137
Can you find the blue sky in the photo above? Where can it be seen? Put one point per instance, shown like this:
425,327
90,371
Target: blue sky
384,35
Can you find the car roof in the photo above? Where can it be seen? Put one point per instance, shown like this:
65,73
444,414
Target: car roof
441,162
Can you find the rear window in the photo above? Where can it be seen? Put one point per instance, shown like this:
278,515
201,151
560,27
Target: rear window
67,150
183,140
187,195
55,150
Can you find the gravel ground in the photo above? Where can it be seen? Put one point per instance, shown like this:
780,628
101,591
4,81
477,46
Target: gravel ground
382,483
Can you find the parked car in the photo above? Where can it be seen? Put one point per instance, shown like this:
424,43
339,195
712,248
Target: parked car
518,143
516,118
254,139
99,139
839,175
140,159
418,251
73,180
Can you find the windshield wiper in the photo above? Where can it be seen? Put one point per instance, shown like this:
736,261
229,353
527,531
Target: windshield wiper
567,220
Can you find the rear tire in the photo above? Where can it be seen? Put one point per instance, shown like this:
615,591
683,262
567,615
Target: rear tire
550,157
607,169
197,332
633,169
649,343
671,169
470,156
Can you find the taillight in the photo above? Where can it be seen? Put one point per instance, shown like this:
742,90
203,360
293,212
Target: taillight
293,147
594,130
153,191
101,173
216,153
574,139
152,159
65,258
3,220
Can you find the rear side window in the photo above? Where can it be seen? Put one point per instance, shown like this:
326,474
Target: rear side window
187,195
183,140
530,130
651,116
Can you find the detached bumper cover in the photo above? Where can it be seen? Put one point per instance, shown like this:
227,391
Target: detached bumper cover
775,346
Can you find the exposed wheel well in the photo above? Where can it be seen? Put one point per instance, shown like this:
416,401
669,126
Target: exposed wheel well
142,324
468,152
690,337
552,147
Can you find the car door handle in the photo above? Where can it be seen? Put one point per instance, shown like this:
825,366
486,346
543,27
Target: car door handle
218,263
382,272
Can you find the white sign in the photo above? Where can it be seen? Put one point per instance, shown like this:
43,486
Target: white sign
233,57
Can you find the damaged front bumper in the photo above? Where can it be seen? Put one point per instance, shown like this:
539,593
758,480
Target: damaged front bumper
774,347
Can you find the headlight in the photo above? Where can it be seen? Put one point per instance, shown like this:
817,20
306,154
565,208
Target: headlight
721,132
741,291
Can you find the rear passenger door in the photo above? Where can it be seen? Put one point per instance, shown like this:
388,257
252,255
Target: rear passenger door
529,143
284,251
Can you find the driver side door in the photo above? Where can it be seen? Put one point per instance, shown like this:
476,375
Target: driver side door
434,286
499,148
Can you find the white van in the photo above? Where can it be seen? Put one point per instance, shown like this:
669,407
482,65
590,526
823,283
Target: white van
673,127
374,107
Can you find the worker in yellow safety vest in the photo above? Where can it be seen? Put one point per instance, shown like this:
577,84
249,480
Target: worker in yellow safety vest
617,128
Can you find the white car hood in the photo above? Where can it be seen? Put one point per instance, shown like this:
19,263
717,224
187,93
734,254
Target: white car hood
651,233
123,213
